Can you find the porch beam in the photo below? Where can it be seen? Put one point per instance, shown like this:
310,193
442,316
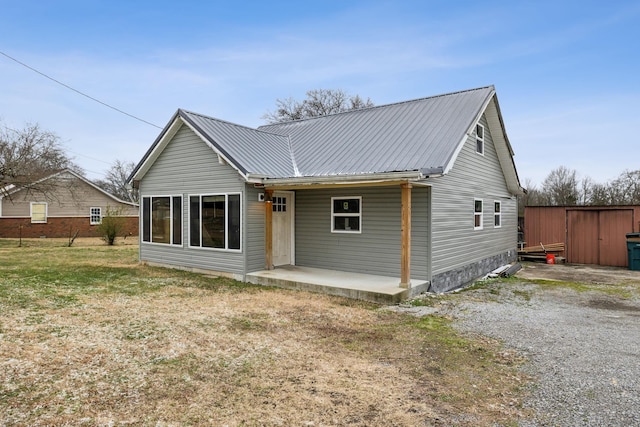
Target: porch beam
268,229
405,247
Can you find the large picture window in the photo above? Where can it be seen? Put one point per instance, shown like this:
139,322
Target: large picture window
346,214
162,219
214,221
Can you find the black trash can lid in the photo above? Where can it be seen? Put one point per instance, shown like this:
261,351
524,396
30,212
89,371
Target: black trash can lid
632,235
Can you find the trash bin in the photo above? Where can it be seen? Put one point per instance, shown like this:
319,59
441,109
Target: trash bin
633,249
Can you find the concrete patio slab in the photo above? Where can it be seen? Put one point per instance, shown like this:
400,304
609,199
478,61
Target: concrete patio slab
367,287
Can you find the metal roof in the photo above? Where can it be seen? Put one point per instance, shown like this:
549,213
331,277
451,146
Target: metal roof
252,151
423,134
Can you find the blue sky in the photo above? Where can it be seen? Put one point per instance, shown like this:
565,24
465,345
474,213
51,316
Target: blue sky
567,73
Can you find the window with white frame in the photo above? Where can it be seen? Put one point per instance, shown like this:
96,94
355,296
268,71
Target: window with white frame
38,212
477,214
346,214
95,216
215,221
497,214
162,219
479,139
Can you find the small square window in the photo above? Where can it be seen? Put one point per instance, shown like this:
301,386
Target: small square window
346,214
95,216
279,204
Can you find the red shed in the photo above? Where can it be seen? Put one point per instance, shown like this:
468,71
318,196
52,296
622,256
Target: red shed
591,234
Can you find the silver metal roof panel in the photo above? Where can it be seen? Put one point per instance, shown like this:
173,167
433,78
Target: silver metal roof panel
415,135
253,151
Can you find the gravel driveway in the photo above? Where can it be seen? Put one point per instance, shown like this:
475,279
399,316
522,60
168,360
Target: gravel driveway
583,347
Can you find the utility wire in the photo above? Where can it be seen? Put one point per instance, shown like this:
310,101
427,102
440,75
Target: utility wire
78,92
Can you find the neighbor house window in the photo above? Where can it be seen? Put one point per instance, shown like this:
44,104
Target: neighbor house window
162,219
346,214
497,214
479,139
214,221
477,214
38,212
95,216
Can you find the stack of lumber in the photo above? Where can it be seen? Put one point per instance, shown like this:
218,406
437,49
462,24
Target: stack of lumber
539,253
543,248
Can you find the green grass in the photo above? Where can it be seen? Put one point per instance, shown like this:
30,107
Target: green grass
43,274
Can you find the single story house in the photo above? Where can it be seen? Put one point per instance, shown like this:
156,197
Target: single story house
422,191
59,205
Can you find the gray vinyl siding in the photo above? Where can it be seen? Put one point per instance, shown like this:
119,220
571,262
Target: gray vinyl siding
187,166
377,249
455,242
254,226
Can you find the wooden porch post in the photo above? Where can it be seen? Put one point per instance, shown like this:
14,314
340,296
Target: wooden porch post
268,229
405,248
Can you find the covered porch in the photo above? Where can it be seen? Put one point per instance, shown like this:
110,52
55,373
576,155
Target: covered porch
367,287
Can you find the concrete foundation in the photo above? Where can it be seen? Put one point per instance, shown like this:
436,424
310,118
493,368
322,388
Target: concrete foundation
464,276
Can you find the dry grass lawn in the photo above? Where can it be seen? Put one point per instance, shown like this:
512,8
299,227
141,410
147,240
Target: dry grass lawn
90,337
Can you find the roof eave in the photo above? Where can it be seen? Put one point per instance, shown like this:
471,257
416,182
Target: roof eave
351,179
178,119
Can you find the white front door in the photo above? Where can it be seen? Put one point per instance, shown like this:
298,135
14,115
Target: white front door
282,223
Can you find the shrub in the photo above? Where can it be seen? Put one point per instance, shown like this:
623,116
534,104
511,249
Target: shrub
112,225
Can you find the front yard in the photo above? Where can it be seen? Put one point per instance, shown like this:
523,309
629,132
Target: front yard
90,337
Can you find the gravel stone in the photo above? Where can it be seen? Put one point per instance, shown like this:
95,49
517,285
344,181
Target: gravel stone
583,348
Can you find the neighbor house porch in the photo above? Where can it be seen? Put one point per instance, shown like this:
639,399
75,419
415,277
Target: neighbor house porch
367,287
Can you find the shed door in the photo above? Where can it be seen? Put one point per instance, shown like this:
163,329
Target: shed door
282,223
614,225
598,236
583,237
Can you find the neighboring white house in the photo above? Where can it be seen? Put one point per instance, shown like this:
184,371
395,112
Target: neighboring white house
423,190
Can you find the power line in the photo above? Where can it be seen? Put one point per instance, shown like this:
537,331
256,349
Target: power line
78,92
89,157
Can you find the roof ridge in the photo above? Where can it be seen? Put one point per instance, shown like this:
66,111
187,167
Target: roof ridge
204,116
379,106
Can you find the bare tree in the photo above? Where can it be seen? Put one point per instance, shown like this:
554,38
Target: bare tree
600,195
625,190
585,192
115,181
27,155
561,186
319,102
533,196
